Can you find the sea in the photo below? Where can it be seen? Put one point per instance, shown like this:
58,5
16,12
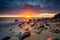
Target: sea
8,22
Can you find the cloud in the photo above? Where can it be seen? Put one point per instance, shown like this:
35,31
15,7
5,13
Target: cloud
21,3
12,4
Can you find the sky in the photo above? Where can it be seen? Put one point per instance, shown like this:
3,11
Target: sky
16,7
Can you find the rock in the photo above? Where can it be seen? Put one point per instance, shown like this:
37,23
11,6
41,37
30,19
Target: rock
24,35
16,20
42,26
20,25
55,39
10,30
47,25
17,33
6,38
55,30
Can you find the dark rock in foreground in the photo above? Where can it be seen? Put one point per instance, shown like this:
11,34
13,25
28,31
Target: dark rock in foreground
6,38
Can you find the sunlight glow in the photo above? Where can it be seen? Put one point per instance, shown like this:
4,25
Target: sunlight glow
28,15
